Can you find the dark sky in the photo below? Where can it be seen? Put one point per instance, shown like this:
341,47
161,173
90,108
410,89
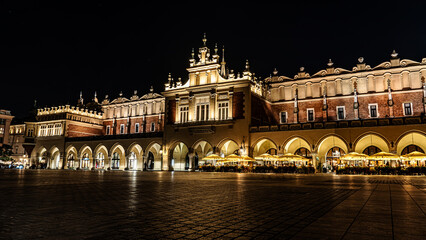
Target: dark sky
51,51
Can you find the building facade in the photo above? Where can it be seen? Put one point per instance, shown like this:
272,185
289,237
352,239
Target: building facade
320,116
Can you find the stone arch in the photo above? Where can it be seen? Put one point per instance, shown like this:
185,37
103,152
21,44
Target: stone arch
416,138
292,144
42,157
134,157
85,157
227,146
371,139
101,157
264,145
118,156
179,157
202,148
153,156
328,142
55,158
71,158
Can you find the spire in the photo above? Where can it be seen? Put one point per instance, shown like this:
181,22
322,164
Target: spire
95,99
223,63
80,101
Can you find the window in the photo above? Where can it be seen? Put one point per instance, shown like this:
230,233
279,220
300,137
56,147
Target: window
137,128
408,109
100,161
31,132
108,130
152,127
121,128
202,108
310,112
340,112
1,130
202,112
283,117
223,110
184,114
58,129
372,109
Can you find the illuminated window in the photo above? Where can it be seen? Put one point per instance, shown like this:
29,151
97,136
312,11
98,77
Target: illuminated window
223,110
340,112
372,109
283,117
184,114
122,129
100,160
1,130
408,109
202,109
57,131
137,128
310,113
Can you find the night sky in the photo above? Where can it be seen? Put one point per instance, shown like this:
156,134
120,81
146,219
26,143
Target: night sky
51,52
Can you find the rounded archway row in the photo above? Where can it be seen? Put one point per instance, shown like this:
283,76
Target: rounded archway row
184,157
100,157
333,146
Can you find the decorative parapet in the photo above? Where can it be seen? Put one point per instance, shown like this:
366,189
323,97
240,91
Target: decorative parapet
69,109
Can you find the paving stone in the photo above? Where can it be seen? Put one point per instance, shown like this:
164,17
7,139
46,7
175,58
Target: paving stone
50,204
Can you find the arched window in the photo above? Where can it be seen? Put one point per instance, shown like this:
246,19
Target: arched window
371,150
411,148
132,161
115,164
100,160
304,152
85,161
70,161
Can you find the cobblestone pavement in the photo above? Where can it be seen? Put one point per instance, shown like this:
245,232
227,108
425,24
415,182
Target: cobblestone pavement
49,204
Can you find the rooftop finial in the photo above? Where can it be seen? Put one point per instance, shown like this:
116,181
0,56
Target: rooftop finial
330,63
394,54
193,53
151,89
247,65
120,94
360,59
275,72
204,39
215,48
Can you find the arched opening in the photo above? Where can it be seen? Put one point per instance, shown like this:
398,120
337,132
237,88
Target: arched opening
100,161
411,148
101,157
134,157
229,147
71,162
42,160
153,157
411,139
56,160
333,156
296,143
132,161
115,161
180,159
370,143
201,150
264,146
330,149
118,158
86,158
370,150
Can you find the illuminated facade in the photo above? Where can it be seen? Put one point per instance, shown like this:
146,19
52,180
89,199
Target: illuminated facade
5,120
320,116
